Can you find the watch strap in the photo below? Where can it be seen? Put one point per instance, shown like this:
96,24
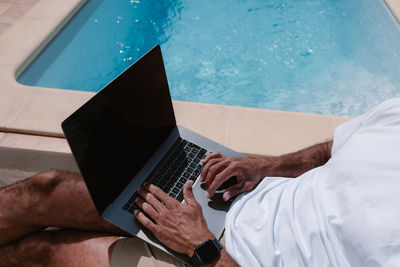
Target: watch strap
198,260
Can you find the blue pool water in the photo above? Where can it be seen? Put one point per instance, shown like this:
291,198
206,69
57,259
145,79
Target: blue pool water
337,57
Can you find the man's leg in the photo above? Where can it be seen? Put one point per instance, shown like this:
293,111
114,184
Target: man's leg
65,248
60,199
62,248
50,198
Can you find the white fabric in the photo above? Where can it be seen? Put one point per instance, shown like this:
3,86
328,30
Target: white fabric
345,213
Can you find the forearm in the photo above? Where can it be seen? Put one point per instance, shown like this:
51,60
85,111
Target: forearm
224,260
297,163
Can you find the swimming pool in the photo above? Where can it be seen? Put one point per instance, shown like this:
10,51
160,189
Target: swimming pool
330,57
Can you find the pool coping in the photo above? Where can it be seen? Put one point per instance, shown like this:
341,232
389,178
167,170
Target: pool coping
394,7
39,111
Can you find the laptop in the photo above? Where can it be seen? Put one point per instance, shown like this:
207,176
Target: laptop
127,134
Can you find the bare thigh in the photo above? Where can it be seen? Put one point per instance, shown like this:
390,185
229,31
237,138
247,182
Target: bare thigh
63,248
51,198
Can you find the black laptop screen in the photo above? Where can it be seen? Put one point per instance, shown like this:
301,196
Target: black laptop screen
117,131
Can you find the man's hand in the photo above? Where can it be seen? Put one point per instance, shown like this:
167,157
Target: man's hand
219,168
180,227
250,171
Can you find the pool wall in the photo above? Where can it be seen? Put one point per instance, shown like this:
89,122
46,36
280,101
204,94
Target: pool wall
27,112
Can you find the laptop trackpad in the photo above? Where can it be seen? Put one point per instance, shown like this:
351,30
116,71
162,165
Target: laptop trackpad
214,209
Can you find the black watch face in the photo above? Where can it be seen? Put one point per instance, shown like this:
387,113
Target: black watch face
208,252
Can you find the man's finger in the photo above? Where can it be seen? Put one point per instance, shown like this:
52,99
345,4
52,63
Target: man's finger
210,163
144,220
233,191
159,194
188,194
214,170
149,198
147,208
219,179
212,156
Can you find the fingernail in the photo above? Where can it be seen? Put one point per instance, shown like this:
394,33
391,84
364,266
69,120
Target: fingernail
208,195
136,212
136,199
226,196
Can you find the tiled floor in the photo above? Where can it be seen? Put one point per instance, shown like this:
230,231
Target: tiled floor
22,155
34,142
17,164
12,10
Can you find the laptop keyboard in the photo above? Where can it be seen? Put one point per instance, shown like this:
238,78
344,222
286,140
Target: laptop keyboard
181,163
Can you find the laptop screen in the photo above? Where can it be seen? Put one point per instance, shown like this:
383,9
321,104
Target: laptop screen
117,131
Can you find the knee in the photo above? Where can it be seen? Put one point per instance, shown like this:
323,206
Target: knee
39,250
47,181
29,193
36,250
51,175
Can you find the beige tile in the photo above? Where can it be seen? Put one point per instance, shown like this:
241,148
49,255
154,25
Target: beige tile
2,134
38,26
4,27
27,2
263,132
47,108
21,163
56,9
336,121
208,120
23,39
13,13
34,142
13,97
8,1
394,6
4,6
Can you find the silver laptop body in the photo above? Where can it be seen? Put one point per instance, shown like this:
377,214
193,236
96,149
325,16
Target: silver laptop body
122,133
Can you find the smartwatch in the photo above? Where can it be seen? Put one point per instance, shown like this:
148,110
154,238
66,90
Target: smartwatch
207,252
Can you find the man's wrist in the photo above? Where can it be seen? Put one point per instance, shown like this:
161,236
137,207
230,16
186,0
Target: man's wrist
207,236
207,253
269,166
297,163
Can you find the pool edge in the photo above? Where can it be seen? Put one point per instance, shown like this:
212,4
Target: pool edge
394,8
